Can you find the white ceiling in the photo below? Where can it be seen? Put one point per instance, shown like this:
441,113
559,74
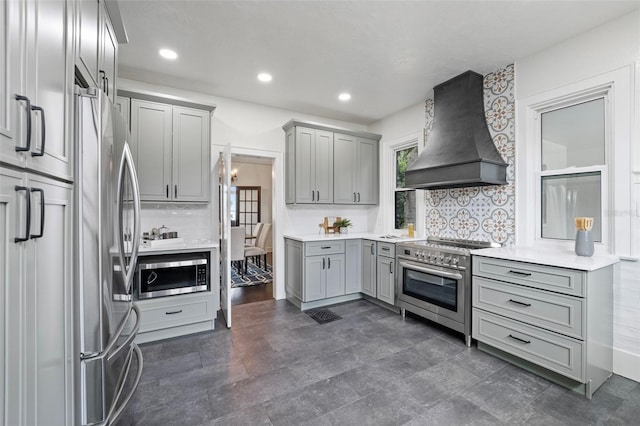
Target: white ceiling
387,54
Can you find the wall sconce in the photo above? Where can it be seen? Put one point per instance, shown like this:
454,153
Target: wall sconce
234,175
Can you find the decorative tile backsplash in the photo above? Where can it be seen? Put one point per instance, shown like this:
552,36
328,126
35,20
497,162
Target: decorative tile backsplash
487,212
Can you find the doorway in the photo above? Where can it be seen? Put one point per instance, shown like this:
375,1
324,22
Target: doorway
252,187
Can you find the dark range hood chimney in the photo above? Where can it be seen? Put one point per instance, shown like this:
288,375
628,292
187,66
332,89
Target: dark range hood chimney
460,151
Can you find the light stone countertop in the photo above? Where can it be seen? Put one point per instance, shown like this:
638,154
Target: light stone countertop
353,236
549,257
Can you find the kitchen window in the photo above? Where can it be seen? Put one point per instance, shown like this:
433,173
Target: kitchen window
574,158
572,167
404,198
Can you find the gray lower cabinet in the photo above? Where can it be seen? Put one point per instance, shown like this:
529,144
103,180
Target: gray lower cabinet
353,266
385,279
369,267
315,272
554,321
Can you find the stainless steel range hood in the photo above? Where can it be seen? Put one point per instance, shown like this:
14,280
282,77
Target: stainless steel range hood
460,151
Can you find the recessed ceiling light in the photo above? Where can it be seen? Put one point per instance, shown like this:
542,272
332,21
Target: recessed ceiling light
344,97
168,53
265,77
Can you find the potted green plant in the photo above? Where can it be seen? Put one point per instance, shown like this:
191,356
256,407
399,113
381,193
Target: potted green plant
342,225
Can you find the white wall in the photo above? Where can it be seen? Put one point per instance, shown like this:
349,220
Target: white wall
251,174
402,126
600,50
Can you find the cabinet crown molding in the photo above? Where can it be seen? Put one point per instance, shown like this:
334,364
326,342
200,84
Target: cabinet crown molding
318,126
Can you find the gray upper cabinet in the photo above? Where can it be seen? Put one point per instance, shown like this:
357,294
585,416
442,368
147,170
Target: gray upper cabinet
355,170
313,175
170,145
330,165
37,79
97,47
190,154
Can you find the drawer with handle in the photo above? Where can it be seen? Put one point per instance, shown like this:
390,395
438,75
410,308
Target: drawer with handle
561,354
552,278
174,314
552,311
321,247
386,249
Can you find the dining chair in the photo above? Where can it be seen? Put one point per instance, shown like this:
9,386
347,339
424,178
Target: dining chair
256,235
237,248
260,249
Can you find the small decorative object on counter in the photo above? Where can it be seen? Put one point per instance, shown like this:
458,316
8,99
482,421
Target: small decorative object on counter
164,232
333,229
584,238
342,225
411,230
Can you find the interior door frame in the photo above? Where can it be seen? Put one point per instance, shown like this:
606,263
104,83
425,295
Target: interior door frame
278,210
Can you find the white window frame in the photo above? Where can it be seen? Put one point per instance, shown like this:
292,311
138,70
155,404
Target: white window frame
616,88
388,184
397,148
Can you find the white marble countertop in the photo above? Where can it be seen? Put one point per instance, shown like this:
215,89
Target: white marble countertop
550,257
178,247
354,236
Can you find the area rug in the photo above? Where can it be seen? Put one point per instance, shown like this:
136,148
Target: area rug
322,315
254,276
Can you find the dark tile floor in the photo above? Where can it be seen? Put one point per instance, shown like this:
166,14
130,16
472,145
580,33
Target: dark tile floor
278,366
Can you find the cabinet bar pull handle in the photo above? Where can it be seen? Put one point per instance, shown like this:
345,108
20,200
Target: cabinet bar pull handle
519,303
323,259
329,263
354,197
103,75
384,248
391,267
358,197
173,312
524,274
317,195
106,84
175,191
28,146
313,195
372,249
519,339
41,191
167,191
28,225
325,247
43,137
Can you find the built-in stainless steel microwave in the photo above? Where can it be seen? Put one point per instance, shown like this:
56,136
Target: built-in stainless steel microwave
171,274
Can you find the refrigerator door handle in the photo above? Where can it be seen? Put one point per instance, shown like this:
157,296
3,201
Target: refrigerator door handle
116,410
127,161
109,352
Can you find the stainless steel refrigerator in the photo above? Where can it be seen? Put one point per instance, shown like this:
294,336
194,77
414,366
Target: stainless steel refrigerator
107,239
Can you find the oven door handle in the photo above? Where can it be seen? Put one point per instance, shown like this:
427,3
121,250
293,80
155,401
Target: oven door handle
431,271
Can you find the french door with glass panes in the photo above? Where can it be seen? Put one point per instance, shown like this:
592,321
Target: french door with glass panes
248,207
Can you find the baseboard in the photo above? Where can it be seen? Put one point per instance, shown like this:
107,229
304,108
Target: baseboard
626,364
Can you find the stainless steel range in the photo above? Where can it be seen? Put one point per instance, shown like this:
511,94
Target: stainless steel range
434,281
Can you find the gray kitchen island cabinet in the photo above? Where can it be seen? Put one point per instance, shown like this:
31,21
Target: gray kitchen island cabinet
170,145
330,165
552,320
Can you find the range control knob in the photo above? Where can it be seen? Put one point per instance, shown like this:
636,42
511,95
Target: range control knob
454,261
447,260
441,258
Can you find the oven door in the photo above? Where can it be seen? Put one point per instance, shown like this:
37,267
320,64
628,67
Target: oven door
436,289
